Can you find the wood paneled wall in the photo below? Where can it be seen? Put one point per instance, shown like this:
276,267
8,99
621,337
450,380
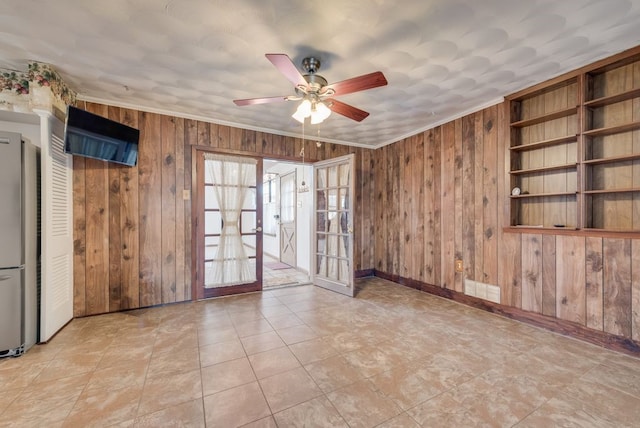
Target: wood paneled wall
443,195
132,230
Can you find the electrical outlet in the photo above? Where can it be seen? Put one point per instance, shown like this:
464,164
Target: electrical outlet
459,266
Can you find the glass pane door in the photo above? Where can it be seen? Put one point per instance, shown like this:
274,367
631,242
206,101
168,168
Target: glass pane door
229,225
333,261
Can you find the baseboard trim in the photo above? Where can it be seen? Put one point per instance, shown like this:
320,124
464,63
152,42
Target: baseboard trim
565,328
363,273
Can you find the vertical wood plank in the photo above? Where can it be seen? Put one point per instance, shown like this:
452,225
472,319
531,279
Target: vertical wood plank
430,206
468,196
115,229
168,203
235,138
448,205
224,138
532,272
394,227
458,201
97,233
418,216
549,275
149,183
129,212
97,229
570,276
438,207
406,266
478,200
182,289
490,195
204,137
635,291
79,237
380,210
617,286
510,273
594,284
190,139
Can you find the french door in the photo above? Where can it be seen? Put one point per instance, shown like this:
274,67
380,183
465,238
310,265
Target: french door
228,224
333,225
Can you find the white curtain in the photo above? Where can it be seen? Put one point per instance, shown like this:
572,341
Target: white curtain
231,177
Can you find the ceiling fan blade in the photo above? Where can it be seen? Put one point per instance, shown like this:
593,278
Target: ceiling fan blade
252,101
346,110
355,84
284,64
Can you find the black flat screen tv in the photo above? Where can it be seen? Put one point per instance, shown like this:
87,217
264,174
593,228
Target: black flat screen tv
87,134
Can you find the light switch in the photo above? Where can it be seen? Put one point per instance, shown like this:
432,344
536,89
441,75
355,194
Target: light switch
186,194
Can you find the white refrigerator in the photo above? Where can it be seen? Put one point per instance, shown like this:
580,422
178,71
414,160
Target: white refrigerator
18,301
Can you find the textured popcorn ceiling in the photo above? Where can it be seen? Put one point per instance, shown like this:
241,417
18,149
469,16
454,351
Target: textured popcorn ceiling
191,58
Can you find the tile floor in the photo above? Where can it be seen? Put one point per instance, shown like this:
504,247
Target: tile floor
273,278
303,356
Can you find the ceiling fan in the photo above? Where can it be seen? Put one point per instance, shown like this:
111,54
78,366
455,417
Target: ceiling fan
316,94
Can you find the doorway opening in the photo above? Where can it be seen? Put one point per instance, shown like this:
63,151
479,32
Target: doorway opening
287,223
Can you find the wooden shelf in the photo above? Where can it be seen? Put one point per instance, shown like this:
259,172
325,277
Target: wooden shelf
545,118
542,195
544,143
612,99
612,159
526,226
612,130
544,169
606,191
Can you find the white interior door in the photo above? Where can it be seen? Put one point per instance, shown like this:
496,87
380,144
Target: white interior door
288,203
333,225
57,231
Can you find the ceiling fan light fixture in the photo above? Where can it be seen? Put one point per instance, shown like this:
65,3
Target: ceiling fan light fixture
303,111
320,113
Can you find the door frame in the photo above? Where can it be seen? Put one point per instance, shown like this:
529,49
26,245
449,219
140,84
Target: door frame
197,207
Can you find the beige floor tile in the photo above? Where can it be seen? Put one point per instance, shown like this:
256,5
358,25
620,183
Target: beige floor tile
53,399
283,321
236,407
267,422
296,334
221,352
168,363
312,350
189,414
406,387
229,374
175,342
400,421
117,355
333,373
448,364
68,366
361,405
99,408
212,335
114,378
261,342
444,411
169,391
288,389
316,413
252,328
272,362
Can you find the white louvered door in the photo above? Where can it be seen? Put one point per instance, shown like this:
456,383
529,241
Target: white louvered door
57,229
